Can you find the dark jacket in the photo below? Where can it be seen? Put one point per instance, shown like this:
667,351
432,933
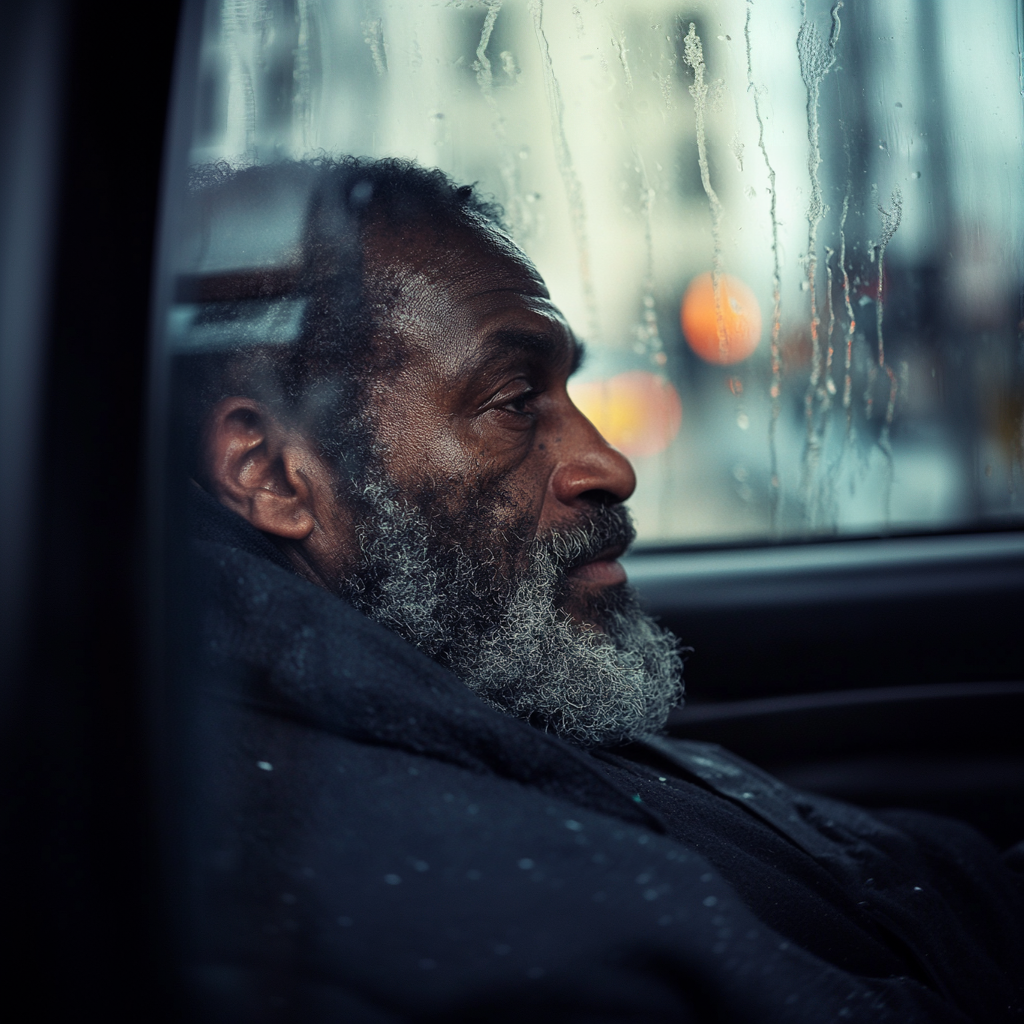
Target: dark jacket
368,841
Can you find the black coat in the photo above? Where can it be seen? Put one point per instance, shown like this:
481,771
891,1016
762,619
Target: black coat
368,841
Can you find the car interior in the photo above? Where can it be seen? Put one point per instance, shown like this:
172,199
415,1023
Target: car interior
834,528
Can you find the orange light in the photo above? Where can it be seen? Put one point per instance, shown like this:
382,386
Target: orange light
637,412
741,319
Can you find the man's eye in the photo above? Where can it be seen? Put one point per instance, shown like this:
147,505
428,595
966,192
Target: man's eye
515,403
521,404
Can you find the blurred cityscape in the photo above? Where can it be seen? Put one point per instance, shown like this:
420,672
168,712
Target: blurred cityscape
790,233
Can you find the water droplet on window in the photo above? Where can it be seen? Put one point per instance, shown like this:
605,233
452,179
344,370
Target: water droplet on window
265,765
710,901
743,421
392,879
526,863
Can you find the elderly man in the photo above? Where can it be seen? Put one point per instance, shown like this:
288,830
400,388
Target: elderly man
430,780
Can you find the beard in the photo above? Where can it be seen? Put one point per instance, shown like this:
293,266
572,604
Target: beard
473,594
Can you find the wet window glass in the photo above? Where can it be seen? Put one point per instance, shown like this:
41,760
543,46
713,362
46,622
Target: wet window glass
788,233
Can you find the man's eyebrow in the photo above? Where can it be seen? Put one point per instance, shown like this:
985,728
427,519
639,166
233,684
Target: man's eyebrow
540,343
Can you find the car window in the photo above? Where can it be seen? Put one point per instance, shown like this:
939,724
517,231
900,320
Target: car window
787,231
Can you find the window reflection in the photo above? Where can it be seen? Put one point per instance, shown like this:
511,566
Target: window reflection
797,221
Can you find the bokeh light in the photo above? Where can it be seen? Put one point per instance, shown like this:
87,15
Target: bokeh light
741,319
637,412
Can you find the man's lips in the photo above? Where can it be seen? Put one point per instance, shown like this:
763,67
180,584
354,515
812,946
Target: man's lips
603,571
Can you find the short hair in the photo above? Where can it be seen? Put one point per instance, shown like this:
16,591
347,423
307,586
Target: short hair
275,303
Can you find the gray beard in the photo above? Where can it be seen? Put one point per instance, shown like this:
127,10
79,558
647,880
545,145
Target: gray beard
507,635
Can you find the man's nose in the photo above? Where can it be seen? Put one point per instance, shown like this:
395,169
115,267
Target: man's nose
589,469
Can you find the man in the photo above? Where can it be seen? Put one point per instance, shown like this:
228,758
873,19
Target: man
431,783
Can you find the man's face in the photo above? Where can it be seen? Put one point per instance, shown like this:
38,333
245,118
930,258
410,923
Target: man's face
486,521
489,525
476,419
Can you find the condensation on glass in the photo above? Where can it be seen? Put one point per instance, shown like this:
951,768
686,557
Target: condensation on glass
790,233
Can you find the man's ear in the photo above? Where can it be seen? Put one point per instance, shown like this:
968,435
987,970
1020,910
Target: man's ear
259,469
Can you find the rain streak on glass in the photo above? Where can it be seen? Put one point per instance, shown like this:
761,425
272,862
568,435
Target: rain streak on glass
693,54
816,60
775,388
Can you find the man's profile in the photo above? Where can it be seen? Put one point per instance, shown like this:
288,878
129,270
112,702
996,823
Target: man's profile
434,781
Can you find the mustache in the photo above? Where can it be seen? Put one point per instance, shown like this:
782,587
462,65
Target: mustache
607,526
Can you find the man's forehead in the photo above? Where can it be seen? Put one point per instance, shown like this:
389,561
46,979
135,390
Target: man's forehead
465,261
470,295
